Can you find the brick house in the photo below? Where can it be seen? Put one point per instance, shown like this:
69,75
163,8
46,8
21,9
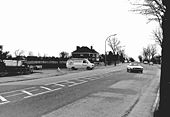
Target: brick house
85,52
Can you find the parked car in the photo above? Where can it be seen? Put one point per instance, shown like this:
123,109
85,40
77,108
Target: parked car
126,61
145,62
150,63
37,67
79,63
134,67
14,67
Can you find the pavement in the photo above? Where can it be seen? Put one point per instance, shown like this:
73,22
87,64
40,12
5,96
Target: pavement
149,100
36,75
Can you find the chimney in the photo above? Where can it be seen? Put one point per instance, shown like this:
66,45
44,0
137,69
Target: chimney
91,47
78,47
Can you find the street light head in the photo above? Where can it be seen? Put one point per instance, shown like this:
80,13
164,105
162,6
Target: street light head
110,37
114,34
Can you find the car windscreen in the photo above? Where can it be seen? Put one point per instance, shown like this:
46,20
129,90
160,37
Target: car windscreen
77,61
134,64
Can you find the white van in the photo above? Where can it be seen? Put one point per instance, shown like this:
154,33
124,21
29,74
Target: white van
79,63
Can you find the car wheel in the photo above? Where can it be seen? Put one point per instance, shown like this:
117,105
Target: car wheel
73,68
88,68
127,70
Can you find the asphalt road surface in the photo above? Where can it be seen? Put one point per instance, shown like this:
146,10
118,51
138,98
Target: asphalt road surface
95,93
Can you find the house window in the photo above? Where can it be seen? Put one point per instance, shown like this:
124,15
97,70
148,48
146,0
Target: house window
86,55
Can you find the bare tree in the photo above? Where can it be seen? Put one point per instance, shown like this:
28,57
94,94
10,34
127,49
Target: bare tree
114,45
153,9
145,53
64,54
157,36
160,10
149,52
164,104
148,49
121,51
4,55
153,50
45,55
30,53
18,53
39,54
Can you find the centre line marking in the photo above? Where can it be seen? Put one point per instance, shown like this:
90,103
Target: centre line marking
27,92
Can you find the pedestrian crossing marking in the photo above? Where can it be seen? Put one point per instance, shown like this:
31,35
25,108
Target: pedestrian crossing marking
27,92
34,91
46,88
3,99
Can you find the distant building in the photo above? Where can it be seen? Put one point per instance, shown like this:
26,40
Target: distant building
85,52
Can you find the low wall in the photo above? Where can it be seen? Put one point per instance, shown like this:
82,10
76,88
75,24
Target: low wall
48,64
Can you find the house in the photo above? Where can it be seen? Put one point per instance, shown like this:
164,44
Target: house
85,52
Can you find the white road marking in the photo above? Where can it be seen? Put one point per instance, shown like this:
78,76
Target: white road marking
70,82
63,85
27,92
42,93
4,102
17,90
31,89
41,89
77,81
46,88
56,84
77,84
3,99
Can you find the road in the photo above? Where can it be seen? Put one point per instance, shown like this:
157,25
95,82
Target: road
95,93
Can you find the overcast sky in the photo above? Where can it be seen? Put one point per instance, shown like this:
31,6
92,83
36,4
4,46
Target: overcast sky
52,26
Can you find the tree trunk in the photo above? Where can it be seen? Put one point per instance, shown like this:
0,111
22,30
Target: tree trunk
164,105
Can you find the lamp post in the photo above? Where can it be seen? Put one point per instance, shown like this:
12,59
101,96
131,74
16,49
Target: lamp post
105,45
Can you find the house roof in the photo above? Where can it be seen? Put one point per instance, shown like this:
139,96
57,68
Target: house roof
84,49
